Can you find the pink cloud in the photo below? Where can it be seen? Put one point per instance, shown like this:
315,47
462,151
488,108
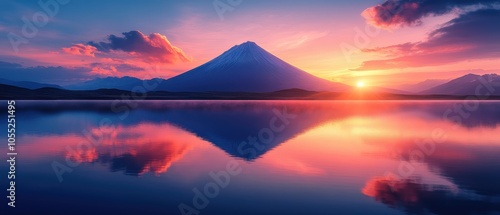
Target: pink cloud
81,49
393,13
155,48
107,70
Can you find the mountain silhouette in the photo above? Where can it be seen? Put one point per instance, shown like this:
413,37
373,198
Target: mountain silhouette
421,86
247,68
27,84
470,84
119,83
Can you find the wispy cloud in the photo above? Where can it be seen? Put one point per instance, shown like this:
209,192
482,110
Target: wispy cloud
471,36
299,39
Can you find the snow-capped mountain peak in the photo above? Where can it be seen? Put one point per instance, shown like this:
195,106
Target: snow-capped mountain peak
247,68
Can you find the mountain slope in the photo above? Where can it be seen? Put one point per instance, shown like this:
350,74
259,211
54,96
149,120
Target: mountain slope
421,86
247,68
27,84
468,85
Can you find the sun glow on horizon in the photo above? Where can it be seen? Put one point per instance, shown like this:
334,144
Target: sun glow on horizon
360,84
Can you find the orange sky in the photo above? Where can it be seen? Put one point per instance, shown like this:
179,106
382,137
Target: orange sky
337,41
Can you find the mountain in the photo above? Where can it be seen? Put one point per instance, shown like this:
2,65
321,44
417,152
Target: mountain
123,83
27,84
247,68
468,85
421,86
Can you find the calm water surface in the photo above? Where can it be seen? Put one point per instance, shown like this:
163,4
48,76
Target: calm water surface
289,157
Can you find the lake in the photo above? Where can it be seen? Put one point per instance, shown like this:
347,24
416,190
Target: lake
256,157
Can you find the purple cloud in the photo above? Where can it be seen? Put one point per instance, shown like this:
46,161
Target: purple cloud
393,13
470,36
154,48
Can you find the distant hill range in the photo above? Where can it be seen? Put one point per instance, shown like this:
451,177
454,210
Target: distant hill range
460,88
421,86
28,84
470,84
123,83
8,92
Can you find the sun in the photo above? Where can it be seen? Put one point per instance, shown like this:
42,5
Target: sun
360,84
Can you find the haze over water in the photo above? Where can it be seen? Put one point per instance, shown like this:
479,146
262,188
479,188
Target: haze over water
327,157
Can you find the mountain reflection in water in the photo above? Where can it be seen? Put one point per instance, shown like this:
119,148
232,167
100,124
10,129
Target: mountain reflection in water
331,156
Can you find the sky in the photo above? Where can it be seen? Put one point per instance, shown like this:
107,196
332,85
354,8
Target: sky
385,43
